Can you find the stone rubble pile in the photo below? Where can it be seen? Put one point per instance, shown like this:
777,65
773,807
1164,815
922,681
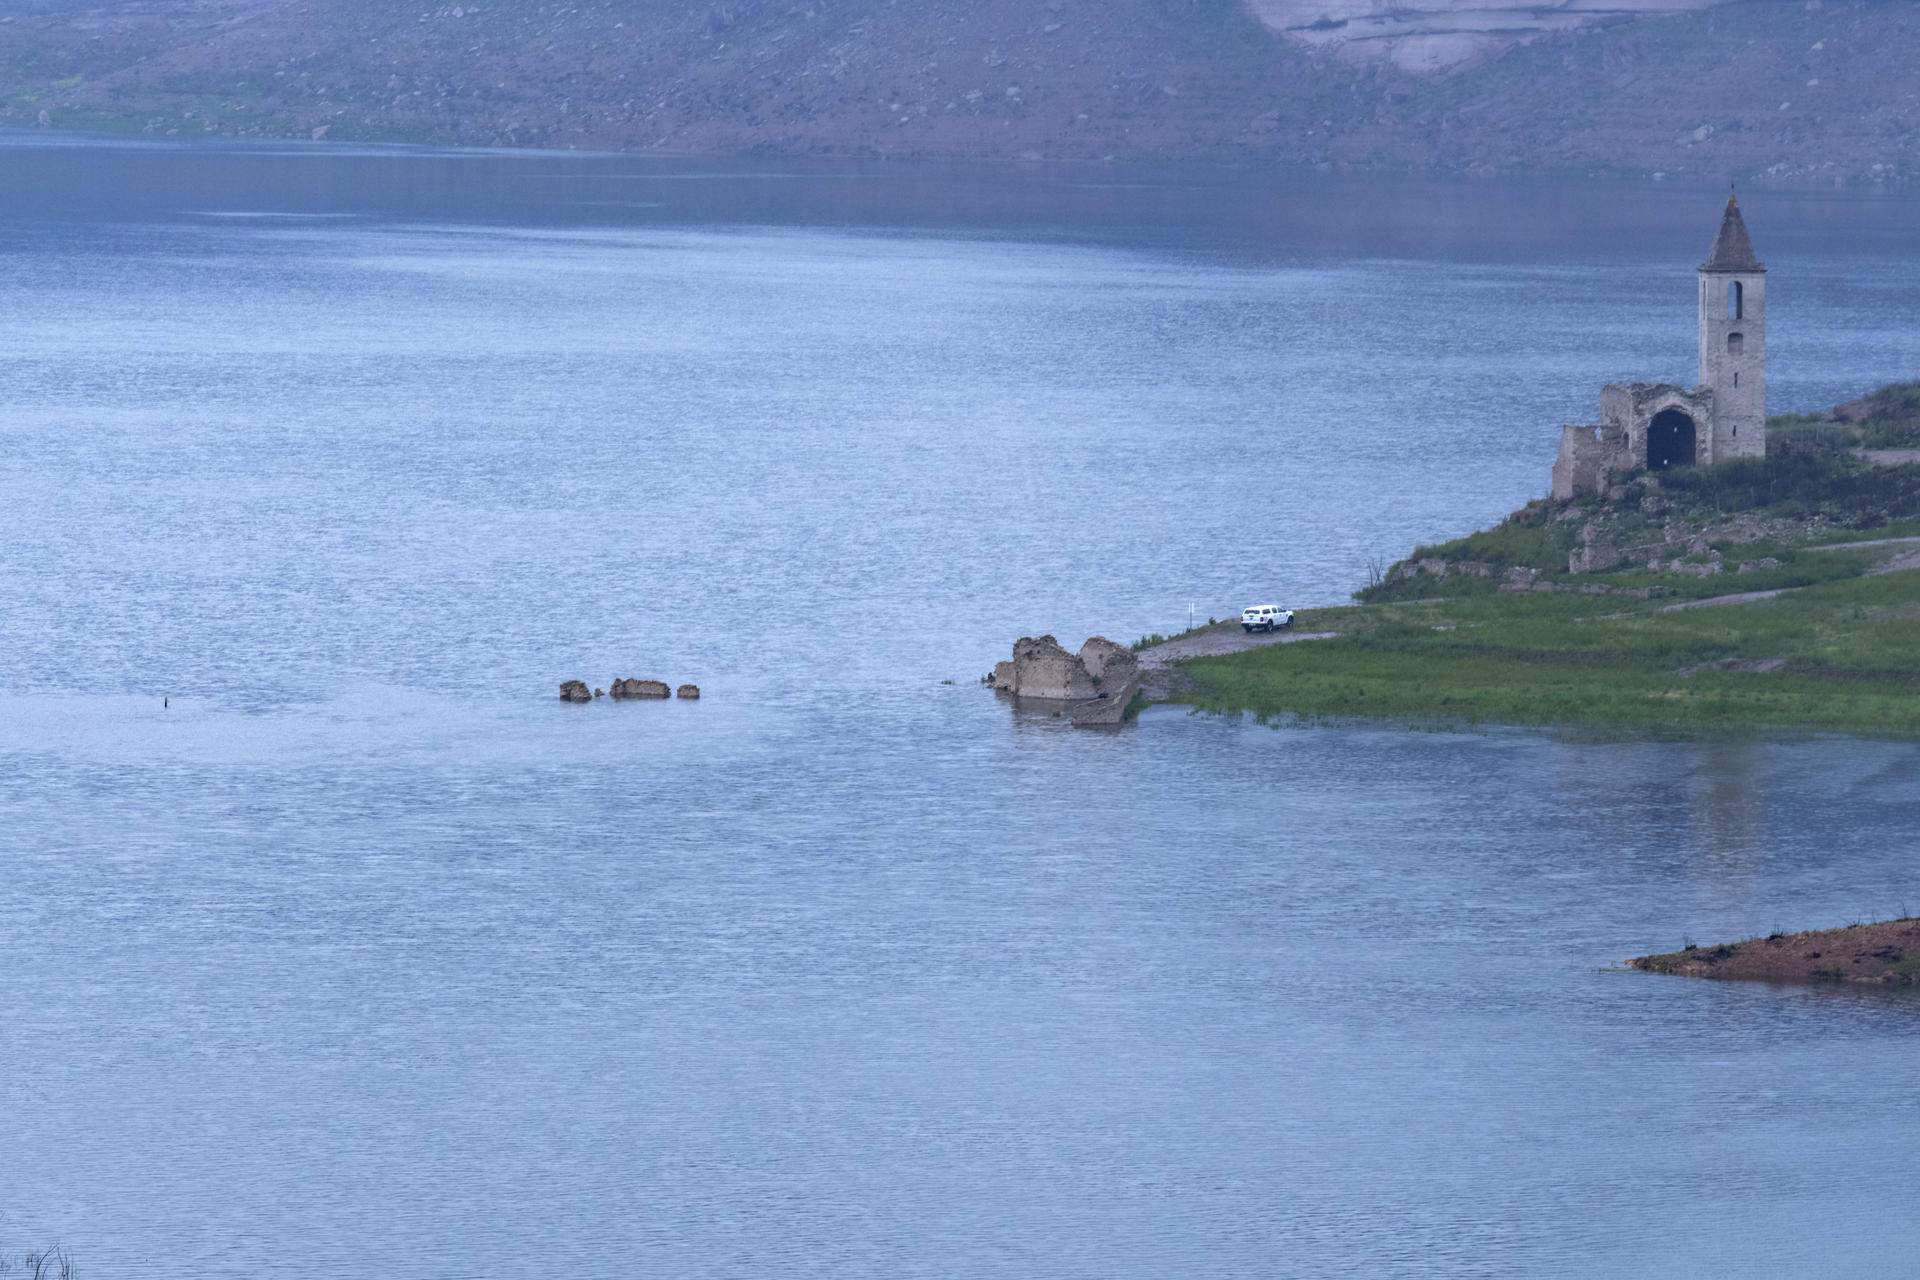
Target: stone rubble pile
1676,548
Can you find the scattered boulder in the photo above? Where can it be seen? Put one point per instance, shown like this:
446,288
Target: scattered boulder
691,692
623,688
599,693
575,691
1759,566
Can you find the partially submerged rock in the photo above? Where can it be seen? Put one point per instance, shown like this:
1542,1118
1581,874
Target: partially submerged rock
688,691
1880,954
575,691
623,688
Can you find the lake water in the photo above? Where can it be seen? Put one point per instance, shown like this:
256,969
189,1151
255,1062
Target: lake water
368,954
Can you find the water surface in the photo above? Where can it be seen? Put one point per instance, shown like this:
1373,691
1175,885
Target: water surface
365,951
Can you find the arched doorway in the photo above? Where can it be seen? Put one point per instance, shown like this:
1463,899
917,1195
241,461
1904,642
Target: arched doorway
1670,441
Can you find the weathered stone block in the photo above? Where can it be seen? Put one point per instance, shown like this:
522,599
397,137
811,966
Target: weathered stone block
623,688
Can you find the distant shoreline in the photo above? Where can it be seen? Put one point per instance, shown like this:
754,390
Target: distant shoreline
108,128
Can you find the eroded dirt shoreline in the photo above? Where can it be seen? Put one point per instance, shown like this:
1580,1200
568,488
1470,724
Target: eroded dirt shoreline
1886,954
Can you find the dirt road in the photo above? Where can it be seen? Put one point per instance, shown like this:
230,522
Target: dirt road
1220,641
1157,665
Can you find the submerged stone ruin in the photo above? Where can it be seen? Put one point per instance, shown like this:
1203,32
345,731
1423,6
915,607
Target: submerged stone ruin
1092,687
624,689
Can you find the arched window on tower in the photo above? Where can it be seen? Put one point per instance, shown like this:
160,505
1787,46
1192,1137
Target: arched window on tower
1736,301
1736,343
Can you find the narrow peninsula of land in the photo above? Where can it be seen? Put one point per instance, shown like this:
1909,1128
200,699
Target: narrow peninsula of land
1776,594
1886,954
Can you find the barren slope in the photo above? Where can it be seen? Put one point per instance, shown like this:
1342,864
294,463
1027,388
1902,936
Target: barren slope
1742,88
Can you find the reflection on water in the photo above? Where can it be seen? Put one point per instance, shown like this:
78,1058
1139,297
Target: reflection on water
1727,810
364,946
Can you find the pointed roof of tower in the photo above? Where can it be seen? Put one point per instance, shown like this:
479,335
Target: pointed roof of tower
1733,247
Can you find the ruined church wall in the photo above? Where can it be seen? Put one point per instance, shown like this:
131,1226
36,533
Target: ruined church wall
1582,467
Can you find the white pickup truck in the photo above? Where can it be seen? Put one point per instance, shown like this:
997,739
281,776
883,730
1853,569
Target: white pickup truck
1265,617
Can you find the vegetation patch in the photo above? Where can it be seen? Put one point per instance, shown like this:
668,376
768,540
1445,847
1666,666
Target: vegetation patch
1887,419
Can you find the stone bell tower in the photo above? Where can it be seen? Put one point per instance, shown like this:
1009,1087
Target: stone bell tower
1733,340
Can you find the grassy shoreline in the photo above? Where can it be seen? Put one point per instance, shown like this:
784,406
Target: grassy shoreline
1499,628
1834,658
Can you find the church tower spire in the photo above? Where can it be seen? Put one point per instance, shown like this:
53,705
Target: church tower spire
1733,340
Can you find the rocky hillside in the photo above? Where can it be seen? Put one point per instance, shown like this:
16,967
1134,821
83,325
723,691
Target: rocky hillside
1789,89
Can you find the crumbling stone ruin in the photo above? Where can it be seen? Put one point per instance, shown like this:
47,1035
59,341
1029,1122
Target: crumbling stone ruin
1092,687
1041,668
1651,426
